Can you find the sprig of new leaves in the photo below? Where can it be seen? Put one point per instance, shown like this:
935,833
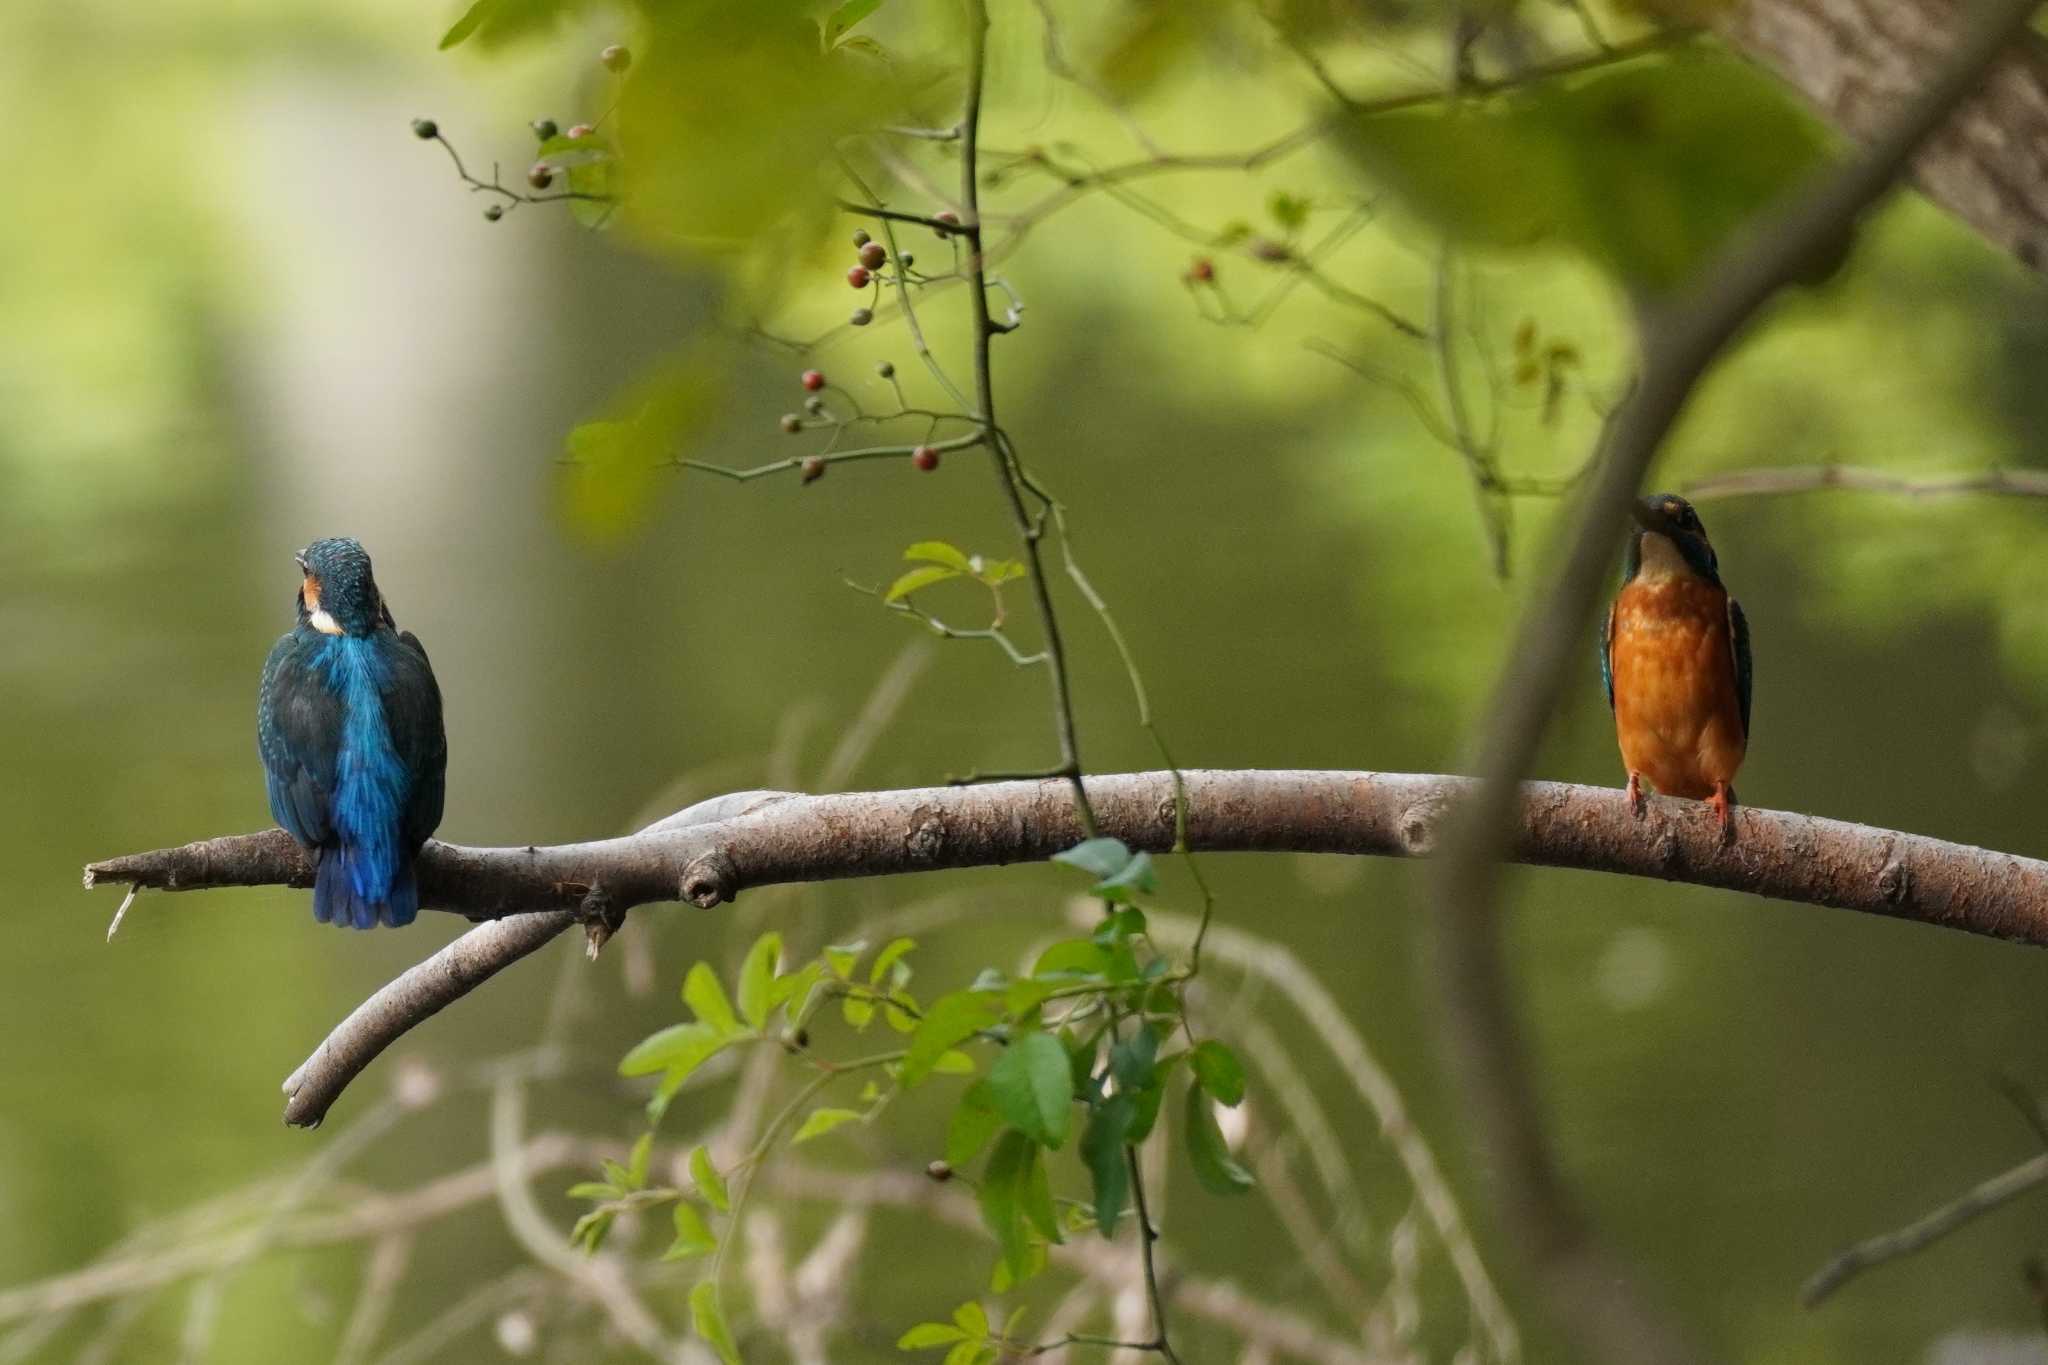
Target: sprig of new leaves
1075,1054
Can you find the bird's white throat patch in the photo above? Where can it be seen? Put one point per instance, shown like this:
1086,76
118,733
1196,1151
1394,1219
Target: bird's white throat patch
325,624
1661,559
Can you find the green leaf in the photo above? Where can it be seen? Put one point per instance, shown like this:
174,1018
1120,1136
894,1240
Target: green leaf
1072,957
1646,167
703,994
1131,1061
1103,857
708,1181
594,1189
971,1318
953,1062
636,1162
1032,1086
608,484
1102,1146
1138,877
973,1123
1289,211
678,1048
1215,1167
1219,1071
693,1234
592,1228
928,1334
841,957
794,988
757,976
845,17
821,1122
910,582
1000,572
939,552
467,24
708,1318
1145,1111
1035,1193
888,958
948,1021
965,1353
1001,1197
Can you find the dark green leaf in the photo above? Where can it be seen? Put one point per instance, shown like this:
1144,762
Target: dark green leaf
1130,1061
1145,1110
1215,1167
973,1123
1001,1197
1288,210
1219,1071
1102,1145
1104,857
1032,1086
1137,878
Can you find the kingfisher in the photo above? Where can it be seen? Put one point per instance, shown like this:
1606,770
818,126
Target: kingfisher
349,725
1675,659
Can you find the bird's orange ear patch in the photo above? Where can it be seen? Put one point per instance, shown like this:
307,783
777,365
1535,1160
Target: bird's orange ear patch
309,593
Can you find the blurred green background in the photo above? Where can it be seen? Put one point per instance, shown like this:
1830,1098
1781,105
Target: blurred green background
241,307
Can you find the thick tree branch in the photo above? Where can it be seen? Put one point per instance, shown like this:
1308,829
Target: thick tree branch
716,849
1593,1295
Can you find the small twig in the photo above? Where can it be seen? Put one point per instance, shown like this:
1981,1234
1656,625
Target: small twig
121,913
1993,1193
2024,483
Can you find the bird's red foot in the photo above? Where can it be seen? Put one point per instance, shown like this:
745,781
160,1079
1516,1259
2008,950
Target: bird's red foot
1723,802
1635,795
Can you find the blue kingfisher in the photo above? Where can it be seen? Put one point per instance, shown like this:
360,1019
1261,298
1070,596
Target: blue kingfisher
349,725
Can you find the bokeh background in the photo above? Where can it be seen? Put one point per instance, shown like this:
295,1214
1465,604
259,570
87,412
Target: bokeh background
241,307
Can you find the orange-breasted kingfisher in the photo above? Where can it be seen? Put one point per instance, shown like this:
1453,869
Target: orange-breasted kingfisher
349,725
1675,658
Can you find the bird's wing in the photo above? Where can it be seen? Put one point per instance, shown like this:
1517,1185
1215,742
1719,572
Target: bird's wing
1738,636
412,708
298,731
1607,652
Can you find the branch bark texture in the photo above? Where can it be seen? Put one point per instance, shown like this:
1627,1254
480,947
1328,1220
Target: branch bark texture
784,837
1860,61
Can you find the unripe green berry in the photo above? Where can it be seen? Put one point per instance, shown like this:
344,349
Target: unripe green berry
791,423
615,58
860,237
885,369
862,317
814,405
905,259
425,129
544,128
494,212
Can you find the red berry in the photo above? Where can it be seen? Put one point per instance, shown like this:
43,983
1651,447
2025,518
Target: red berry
813,380
813,469
949,218
792,423
1203,271
581,130
615,58
541,175
925,458
858,277
874,255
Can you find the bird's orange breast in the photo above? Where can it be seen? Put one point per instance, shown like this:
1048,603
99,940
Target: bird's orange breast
1676,712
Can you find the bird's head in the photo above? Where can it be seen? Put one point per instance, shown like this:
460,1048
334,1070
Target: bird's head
338,596
1669,541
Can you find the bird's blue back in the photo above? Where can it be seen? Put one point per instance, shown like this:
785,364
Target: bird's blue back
354,760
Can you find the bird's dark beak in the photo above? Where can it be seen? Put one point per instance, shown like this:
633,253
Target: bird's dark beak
1648,515
300,560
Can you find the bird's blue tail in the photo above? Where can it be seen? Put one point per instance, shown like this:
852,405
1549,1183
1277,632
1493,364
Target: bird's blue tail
337,898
